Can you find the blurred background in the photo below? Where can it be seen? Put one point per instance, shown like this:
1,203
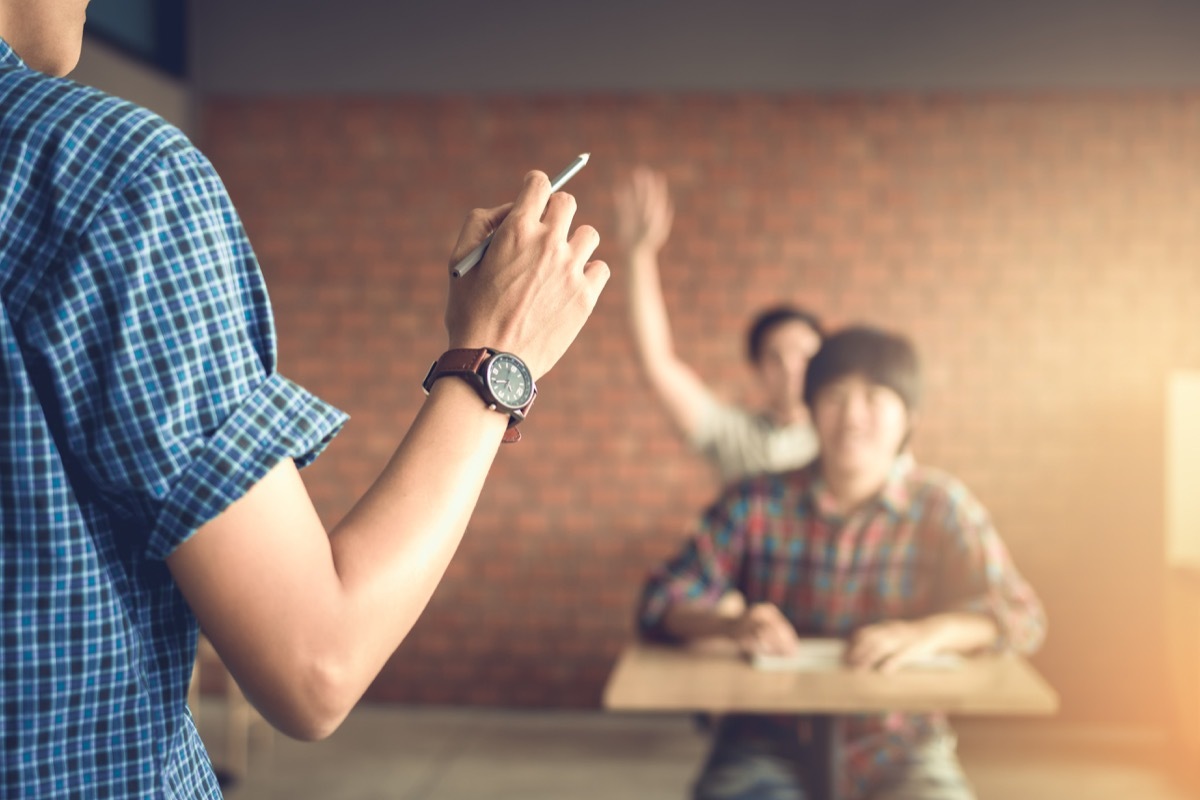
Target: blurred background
1016,186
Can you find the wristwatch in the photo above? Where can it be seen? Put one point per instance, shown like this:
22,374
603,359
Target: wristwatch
501,379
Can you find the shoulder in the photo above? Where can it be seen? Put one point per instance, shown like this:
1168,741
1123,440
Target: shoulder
769,489
76,124
939,494
71,147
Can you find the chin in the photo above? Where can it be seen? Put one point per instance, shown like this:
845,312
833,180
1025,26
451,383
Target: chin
843,463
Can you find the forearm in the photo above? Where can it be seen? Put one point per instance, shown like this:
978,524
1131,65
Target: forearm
692,621
306,620
391,550
648,310
678,388
960,631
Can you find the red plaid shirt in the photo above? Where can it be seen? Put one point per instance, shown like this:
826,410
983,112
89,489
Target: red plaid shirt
923,545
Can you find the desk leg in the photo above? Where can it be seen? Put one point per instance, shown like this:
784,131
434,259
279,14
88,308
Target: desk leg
825,765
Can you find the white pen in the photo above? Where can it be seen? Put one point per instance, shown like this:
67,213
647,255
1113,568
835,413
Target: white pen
475,256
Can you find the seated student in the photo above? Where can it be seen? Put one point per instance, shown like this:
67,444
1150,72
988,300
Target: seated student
865,544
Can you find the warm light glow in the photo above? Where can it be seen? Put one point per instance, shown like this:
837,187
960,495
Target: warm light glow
1183,468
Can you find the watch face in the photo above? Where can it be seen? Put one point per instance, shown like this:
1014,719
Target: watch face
509,380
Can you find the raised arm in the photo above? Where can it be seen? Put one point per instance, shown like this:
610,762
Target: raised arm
644,217
304,619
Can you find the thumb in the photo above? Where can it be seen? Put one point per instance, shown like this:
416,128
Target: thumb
480,223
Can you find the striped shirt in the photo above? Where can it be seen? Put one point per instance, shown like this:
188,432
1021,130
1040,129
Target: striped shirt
138,399
923,545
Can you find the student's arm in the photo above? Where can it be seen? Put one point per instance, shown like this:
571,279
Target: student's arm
304,619
887,646
982,601
761,628
686,598
644,216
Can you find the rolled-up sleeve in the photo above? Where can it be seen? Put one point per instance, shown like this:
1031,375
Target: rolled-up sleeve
703,571
158,346
977,574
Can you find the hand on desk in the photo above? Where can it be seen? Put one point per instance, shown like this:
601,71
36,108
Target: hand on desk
888,646
763,629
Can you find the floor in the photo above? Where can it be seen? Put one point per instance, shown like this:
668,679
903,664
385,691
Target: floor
402,753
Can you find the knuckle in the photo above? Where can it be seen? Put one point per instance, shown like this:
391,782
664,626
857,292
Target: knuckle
535,177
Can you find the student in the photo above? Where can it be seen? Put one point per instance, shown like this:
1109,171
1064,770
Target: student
736,441
865,544
149,449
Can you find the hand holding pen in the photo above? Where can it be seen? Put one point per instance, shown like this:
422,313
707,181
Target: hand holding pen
475,256
539,286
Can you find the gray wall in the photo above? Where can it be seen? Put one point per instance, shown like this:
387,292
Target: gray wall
111,71
293,46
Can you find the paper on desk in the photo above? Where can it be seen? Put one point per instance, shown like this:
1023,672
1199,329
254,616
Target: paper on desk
828,655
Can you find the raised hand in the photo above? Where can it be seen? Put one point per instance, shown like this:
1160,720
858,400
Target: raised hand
644,211
535,287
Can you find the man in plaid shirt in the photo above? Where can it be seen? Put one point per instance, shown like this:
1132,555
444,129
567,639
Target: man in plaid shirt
864,544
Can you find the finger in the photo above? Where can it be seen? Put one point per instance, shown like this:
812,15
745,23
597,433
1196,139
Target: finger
531,200
560,210
584,241
899,659
479,224
785,640
779,631
765,637
770,640
863,650
667,217
642,177
643,187
596,274
658,187
864,660
876,657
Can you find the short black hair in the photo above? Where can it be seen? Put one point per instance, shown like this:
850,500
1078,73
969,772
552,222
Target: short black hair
884,359
772,318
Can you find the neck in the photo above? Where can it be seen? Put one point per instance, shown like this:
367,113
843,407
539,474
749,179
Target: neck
851,490
784,416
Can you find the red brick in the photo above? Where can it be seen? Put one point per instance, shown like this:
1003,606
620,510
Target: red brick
1041,249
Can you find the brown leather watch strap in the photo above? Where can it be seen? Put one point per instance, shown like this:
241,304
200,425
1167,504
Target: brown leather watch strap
462,359
465,363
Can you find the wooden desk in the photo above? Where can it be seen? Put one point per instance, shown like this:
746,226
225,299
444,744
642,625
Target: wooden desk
713,677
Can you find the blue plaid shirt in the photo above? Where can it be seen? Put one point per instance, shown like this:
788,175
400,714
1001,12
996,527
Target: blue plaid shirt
138,399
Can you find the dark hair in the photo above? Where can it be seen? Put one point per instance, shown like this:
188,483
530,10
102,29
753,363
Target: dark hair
771,319
883,358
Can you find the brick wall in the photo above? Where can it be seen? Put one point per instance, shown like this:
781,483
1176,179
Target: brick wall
1042,250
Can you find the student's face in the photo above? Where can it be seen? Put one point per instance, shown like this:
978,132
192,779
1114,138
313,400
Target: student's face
782,360
46,34
860,426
